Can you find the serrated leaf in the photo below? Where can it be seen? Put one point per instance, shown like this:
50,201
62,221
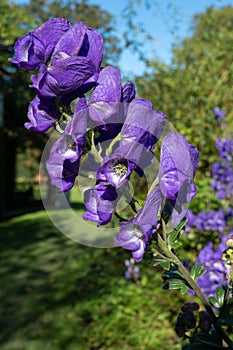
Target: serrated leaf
197,271
173,273
176,284
214,302
174,234
176,245
163,263
220,295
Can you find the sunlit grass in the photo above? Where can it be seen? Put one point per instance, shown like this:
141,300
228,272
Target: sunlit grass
59,295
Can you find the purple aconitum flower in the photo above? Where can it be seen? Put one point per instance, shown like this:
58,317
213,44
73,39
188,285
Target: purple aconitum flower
42,113
222,171
215,275
134,235
219,114
100,202
117,168
65,154
35,48
105,98
143,124
207,221
178,165
133,271
64,77
82,41
113,126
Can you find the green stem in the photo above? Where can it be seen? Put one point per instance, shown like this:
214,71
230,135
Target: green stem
201,296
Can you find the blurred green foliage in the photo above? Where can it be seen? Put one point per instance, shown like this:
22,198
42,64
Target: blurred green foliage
199,79
57,294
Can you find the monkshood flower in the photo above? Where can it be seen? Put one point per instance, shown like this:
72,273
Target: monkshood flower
105,98
143,124
113,126
207,221
118,167
63,77
225,149
65,154
133,271
42,113
100,202
178,165
141,130
215,275
219,114
134,235
80,40
36,47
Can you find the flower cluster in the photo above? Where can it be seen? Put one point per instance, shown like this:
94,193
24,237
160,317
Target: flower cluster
208,221
214,265
105,127
133,271
222,171
219,114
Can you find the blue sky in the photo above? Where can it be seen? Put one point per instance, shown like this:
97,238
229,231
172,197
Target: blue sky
168,21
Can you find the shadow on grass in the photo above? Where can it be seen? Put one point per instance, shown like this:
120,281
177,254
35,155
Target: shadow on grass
59,295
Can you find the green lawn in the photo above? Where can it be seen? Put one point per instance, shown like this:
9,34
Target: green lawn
60,295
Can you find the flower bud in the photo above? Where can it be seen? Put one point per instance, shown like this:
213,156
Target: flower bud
190,307
204,321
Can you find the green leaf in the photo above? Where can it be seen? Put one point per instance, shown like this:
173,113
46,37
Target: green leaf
197,271
214,302
220,293
163,263
172,237
174,280
176,284
220,297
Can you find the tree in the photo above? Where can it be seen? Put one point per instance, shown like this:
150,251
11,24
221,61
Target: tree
199,79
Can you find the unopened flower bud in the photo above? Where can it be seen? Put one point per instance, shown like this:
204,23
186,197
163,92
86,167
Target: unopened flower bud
204,321
190,307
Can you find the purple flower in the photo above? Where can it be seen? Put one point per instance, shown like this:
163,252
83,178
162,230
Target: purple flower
128,92
219,114
178,165
100,202
115,170
36,47
133,271
80,40
42,113
105,98
207,221
65,154
143,124
134,235
215,275
64,77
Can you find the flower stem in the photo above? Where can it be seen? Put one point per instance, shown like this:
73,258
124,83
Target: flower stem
201,296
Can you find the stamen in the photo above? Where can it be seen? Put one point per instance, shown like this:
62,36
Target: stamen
120,169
